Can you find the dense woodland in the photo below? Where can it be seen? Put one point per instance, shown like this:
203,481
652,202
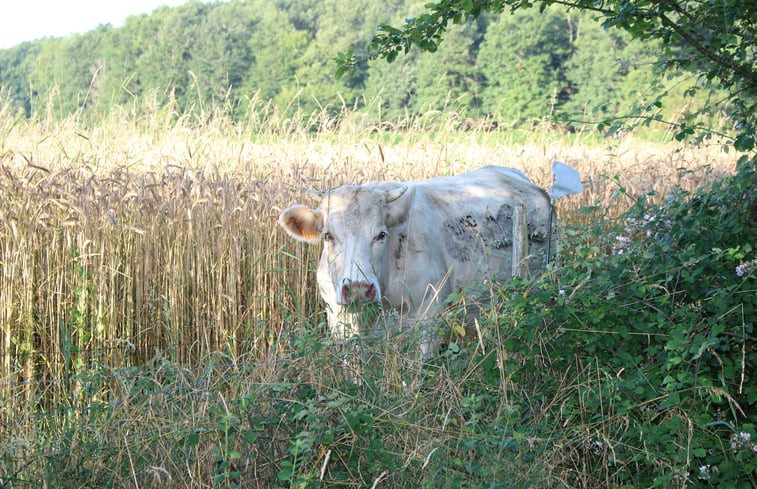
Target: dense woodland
509,68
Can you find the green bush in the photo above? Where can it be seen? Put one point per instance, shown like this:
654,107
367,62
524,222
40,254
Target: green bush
644,351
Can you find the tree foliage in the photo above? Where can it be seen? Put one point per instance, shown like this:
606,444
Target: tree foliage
714,40
523,61
16,70
511,66
595,77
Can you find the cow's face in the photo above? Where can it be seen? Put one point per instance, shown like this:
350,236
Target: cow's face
354,224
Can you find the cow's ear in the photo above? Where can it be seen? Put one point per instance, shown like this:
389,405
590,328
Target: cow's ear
398,202
302,223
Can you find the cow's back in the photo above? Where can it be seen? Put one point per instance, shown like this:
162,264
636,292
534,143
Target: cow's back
459,232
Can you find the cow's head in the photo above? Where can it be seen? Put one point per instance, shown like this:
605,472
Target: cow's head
354,224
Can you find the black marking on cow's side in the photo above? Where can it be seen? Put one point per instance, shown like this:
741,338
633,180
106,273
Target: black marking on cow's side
497,234
462,237
467,234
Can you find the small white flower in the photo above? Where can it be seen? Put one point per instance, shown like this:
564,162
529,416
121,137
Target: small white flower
596,447
705,471
682,478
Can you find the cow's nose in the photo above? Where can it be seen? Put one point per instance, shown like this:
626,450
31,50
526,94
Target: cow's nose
358,291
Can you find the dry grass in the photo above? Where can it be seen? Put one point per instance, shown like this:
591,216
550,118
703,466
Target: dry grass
162,233
148,234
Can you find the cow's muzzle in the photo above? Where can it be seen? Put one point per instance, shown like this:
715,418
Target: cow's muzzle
353,291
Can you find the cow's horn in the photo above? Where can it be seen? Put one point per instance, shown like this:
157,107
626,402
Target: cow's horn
395,194
312,193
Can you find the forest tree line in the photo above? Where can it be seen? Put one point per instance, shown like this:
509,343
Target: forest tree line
510,68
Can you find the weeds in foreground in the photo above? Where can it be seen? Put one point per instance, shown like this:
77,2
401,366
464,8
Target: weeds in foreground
629,363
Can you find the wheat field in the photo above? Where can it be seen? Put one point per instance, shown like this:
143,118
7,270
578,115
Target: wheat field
146,234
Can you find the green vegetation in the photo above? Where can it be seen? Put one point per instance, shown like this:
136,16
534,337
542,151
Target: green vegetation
507,69
712,42
157,330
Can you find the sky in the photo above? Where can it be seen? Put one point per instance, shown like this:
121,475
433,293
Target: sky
26,20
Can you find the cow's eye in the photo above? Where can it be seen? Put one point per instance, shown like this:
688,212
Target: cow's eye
327,236
381,236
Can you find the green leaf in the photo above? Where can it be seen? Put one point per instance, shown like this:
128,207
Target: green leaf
250,436
192,439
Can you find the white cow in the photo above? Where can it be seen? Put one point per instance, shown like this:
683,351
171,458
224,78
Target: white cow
411,244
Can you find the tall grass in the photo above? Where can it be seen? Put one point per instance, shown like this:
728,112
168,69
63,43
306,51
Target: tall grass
151,238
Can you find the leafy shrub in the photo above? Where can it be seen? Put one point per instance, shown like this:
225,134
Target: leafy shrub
645,350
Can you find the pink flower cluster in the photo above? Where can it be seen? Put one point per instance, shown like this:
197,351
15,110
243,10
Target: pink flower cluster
640,229
745,268
742,441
